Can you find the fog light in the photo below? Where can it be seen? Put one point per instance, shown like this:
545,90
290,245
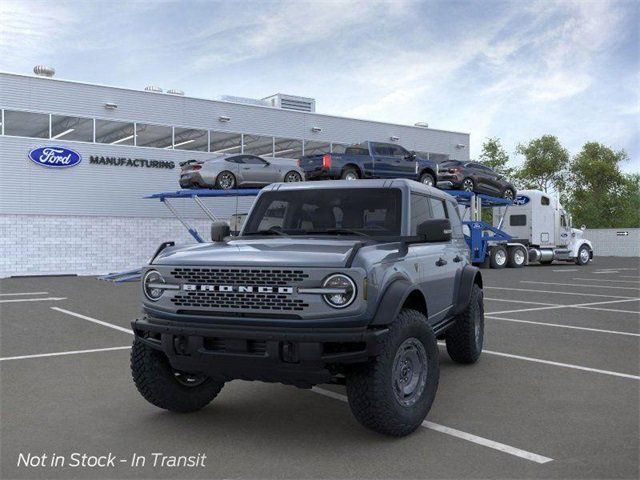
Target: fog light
344,291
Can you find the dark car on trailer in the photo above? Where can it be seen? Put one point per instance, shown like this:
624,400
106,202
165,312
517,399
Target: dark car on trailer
475,177
370,160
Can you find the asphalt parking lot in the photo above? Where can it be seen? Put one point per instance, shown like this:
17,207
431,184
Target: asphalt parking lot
554,395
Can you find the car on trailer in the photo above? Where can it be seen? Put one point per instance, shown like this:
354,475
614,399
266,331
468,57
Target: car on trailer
476,177
328,282
227,172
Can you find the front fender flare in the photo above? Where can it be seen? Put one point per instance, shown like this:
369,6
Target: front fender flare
470,276
392,300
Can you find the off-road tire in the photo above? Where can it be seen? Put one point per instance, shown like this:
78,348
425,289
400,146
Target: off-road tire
349,172
494,256
463,346
512,262
370,386
426,176
156,382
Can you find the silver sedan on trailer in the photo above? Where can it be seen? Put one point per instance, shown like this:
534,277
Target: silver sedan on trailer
238,170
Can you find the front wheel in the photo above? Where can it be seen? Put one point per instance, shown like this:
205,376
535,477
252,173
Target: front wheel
427,179
584,255
163,386
393,393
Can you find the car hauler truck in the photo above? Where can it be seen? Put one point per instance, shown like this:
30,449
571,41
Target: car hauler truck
540,223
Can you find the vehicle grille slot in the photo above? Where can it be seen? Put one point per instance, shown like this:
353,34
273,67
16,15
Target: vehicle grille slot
229,276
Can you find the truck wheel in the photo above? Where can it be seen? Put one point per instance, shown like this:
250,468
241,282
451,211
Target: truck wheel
167,388
225,180
427,179
517,257
349,173
465,338
498,256
393,393
584,255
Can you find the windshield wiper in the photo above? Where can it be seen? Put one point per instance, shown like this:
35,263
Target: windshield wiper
268,232
336,231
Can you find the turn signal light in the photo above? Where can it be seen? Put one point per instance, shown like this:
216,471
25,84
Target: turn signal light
326,161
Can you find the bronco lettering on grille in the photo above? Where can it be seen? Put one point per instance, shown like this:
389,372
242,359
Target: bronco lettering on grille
237,289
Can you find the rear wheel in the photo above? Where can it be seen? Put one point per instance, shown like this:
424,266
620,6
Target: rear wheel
516,257
584,255
508,194
468,185
350,173
163,386
292,177
225,180
466,337
393,393
498,256
427,179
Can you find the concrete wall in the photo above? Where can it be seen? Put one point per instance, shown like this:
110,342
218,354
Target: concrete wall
612,242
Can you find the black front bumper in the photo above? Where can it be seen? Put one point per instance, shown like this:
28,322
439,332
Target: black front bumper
299,356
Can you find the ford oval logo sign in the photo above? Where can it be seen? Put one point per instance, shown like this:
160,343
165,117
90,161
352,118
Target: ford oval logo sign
521,200
55,157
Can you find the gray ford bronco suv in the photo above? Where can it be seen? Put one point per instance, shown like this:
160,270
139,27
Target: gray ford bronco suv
327,282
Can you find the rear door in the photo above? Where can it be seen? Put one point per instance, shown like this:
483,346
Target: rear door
383,160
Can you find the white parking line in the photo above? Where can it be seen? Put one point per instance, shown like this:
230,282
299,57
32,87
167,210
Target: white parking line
557,293
48,299
94,320
581,286
566,270
23,293
565,365
629,276
588,306
520,301
573,327
469,437
58,354
606,280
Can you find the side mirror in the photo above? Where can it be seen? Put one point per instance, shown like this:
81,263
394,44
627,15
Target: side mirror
410,156
219,230
435,230
583,228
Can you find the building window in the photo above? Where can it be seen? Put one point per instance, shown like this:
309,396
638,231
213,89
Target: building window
114,133
158,136
223,142
26,124
287,148
71,128
190,139
257,145
316,148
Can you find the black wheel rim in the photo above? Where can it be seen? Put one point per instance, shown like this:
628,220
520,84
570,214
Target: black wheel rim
467,185
226,181
189,379
410,370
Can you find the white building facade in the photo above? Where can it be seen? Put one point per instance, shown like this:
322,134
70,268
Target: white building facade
91,218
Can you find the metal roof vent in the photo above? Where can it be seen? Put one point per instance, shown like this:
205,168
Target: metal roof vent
152,88
422,124
44,71
292,102
175,91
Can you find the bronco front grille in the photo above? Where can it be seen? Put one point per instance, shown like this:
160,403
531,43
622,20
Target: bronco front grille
239,301
232,276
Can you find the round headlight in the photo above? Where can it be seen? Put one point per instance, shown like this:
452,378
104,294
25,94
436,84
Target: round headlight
150,285
344,290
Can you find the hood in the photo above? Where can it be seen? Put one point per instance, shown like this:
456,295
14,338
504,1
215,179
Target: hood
279,252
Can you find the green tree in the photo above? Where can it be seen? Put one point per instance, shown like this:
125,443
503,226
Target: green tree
545,164
601,195
495,156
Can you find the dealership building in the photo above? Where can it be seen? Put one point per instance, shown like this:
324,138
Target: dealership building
91,217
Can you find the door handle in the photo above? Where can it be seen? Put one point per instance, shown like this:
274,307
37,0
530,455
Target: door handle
441,262
457,259
246,168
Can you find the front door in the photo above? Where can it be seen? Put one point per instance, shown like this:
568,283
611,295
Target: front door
257,171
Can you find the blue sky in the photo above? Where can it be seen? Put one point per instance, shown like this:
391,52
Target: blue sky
515,70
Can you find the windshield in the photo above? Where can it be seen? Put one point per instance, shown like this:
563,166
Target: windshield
339,211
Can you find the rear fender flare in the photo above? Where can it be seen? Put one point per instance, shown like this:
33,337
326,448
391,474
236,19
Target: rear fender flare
470,276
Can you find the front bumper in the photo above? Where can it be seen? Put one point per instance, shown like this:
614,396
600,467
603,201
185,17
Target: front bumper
294,355
455,180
